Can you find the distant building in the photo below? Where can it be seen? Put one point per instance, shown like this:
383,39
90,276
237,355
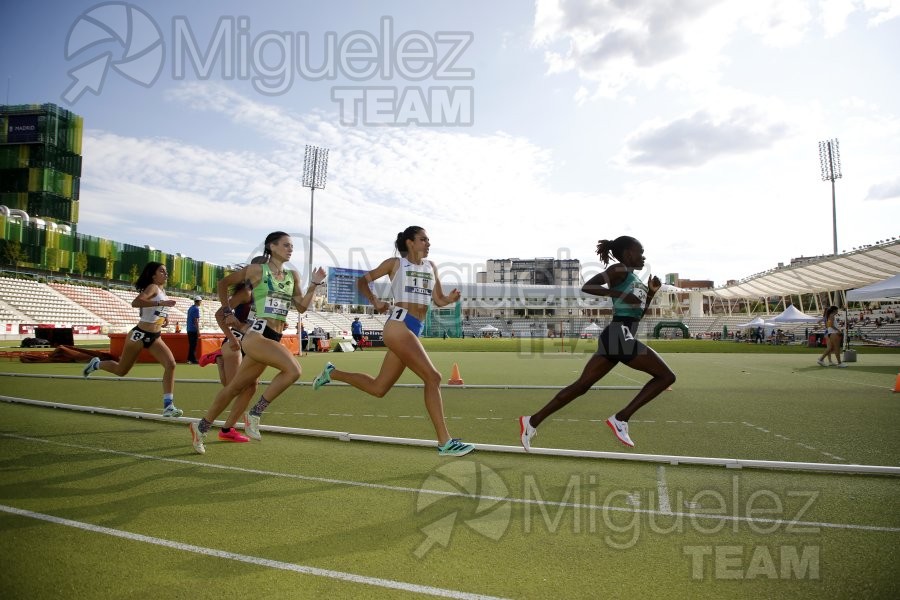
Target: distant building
695,284
40,163
533,271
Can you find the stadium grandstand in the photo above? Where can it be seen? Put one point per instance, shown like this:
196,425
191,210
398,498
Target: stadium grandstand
32,299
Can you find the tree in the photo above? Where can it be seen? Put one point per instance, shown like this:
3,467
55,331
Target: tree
108,270
134,273
52,259
81,262
13,253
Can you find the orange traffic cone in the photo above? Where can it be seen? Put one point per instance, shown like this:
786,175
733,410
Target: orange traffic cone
896,383
455,378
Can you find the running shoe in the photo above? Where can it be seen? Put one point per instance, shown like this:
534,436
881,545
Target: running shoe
172,411
232,435
92,366
526,432
821,362
197,438
323,377
248,428
251,426
620,428
210,358
455,447
842,365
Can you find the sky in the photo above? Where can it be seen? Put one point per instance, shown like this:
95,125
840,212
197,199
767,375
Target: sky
505,128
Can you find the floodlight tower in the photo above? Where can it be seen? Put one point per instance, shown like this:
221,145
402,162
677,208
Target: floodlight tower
830,162
315,172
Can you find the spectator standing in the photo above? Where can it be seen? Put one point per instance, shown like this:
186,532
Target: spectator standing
357,331
193,330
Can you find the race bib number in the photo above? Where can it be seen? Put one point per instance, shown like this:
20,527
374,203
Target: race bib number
398,314
276,307
641,294
626,333
136,336
258,326
238,334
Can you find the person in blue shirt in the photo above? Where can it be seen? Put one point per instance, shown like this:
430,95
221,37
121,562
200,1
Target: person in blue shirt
193,329
617,342
304,340
356,329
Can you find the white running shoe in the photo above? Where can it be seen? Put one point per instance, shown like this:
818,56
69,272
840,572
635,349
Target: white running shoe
245,419
251,427
526,432
197,438
620,428
842,365
820,362
172,411
92,366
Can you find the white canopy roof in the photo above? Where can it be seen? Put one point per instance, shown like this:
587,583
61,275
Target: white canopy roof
827,274
889,288
792,315
488,328
757,322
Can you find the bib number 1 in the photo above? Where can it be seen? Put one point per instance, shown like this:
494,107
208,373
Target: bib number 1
398,314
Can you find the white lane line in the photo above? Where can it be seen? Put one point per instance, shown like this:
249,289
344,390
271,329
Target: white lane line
244,558
663,491
448,493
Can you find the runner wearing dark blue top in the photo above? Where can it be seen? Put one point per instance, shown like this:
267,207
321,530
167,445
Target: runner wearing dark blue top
617,341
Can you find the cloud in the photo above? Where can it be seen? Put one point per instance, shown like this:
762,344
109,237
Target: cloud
701,137
461,186
886,190
612,45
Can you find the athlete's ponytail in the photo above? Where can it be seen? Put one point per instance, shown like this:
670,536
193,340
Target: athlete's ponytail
407,234
616,248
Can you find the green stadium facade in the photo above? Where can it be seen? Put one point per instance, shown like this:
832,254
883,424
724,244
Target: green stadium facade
40,176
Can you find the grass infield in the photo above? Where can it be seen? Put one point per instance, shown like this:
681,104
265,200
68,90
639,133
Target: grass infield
371,520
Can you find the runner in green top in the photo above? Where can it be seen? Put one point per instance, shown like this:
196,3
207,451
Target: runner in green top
275,287
617,342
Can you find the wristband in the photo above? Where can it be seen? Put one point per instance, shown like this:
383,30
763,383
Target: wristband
227,311
317,282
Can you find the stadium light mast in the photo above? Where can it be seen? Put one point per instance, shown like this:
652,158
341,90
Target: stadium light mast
830,163
315,172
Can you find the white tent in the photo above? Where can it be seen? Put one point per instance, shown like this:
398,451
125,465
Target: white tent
592,328
883,290
757,322
488,329
792,315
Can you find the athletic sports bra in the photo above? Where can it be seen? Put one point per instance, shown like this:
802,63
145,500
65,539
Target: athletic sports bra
413,283
155,314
